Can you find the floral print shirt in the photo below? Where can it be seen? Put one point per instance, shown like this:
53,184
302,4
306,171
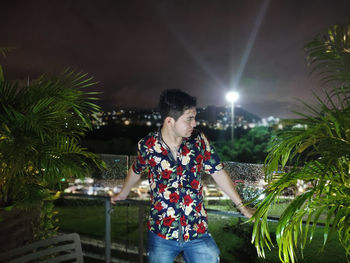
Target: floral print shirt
177,207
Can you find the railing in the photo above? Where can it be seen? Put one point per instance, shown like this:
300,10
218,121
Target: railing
248,175
108,208
117,167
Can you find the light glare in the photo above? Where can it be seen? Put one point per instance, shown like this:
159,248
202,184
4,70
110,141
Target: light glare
232,96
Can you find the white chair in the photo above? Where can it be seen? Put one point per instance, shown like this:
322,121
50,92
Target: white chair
62,248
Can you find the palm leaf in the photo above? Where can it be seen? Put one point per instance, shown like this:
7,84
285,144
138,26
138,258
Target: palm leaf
317,148
41,126
329,54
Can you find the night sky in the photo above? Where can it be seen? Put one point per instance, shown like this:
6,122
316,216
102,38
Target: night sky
135,49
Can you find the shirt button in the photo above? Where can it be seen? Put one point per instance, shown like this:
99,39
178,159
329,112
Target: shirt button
180,186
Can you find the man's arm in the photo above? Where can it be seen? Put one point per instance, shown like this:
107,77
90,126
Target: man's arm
131,179
224,181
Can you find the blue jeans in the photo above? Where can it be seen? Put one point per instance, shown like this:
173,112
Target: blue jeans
200,250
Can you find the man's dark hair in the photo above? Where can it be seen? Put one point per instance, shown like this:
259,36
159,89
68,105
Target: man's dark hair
174,102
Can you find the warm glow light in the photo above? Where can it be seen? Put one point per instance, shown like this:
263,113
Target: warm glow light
232,96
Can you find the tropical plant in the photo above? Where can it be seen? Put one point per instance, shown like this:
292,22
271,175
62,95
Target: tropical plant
41,123
3,51
329,55
322,137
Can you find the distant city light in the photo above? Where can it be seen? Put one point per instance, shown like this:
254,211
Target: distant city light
217,118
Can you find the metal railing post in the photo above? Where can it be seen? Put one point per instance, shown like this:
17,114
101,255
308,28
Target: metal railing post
107,230
141,227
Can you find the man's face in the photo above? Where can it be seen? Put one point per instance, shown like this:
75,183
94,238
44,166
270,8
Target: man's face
185,123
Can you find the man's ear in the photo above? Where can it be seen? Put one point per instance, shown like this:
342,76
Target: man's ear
169,121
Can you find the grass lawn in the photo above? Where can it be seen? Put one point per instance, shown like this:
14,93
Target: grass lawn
90,221
232,237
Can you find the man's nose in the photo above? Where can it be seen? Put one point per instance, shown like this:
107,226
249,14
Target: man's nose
194,123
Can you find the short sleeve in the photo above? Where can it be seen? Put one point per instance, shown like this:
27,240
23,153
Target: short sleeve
211,160
140,164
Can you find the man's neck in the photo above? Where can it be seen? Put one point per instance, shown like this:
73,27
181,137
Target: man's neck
170,138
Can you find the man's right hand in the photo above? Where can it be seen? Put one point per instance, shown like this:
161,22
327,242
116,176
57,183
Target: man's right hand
131,179
118,197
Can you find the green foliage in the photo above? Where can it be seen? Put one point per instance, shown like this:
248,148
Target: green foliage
3,51
41,124
47,225
329,54
322,138
244,251
250,148
1,73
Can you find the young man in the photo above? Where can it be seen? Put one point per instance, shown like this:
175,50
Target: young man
175,156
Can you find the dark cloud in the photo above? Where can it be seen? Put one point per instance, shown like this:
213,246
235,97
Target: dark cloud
137,48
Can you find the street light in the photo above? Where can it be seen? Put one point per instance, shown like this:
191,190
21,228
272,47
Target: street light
232,97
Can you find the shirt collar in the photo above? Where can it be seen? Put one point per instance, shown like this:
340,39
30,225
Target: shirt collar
160,138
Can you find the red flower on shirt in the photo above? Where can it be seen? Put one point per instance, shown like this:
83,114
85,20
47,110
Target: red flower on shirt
158,206
183,221
199,168
164,151
152,162
207,155
141,160
195,184
199,158
201,228
185,150
203,144
167,221
148,225
193,169
166,174
174,197
187,200
150,142
162,188
179,170
199,207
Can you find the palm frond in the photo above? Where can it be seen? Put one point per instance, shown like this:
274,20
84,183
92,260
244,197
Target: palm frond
329,54
317,150
4,50
41,126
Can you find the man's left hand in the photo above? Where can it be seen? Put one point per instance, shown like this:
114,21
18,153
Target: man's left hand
246,211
